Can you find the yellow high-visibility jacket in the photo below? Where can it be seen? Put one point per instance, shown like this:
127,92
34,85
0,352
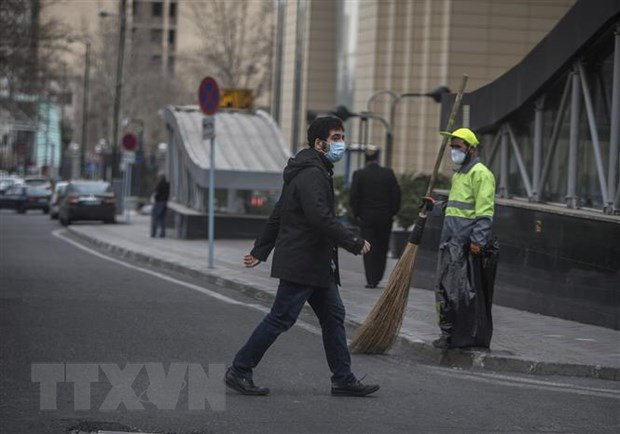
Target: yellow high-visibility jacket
471,205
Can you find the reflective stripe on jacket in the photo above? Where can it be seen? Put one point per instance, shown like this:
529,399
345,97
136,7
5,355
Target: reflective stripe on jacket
471,205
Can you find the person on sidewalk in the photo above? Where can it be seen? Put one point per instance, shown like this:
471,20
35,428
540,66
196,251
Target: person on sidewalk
305,234
160,205
375,200
468,215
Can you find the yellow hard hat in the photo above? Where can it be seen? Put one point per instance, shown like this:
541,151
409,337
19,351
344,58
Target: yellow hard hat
463,133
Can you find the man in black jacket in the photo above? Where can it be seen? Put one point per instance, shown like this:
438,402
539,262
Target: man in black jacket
305,234
375,200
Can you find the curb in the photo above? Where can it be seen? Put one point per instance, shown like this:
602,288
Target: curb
470,359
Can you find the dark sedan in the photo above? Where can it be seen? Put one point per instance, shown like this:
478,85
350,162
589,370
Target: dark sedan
87,200
23,198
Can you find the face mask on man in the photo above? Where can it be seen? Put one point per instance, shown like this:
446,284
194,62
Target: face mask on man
458,156
336,151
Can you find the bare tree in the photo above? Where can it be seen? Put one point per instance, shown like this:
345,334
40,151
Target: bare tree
29,48
146,89
237,41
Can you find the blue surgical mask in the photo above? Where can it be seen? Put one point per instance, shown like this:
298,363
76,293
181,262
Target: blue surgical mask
458,156
336,151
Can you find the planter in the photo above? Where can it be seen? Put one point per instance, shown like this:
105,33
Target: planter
398,242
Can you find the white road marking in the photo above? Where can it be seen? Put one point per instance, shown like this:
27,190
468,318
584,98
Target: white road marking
506,380
58,234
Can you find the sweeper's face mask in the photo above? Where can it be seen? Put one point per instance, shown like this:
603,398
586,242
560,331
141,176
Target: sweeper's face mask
458,156
459,151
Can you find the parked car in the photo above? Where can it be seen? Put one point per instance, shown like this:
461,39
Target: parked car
6,182
59,191
87,200
23,198
36,181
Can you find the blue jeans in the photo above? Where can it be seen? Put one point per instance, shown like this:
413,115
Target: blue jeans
158,219
289,301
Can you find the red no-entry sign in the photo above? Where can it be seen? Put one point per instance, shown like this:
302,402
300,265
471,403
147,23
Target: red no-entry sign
208,96
130,142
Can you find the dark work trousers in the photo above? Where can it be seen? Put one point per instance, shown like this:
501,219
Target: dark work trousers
376,230
289,301
158,219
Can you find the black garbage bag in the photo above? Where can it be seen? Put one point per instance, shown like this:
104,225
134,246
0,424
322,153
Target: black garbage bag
464,293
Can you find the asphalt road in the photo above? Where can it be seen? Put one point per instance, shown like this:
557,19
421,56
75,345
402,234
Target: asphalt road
63,305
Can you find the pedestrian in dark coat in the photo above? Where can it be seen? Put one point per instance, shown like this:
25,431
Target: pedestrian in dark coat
375,200
305,234
160,205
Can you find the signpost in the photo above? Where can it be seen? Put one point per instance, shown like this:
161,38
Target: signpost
130,143
209,100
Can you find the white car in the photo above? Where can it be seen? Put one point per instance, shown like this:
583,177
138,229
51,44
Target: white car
34,181
8,181
59,192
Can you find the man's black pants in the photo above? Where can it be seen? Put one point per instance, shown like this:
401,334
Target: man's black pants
376,230
290,299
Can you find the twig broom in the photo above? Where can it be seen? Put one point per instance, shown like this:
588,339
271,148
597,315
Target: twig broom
378,333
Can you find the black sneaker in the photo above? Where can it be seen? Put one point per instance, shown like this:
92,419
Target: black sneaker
243,385
443,343
355,388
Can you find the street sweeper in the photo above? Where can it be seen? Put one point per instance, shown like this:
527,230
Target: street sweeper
463,303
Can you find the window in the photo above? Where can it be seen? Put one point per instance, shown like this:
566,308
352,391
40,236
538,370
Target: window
65,98
135,8
156,35
173,10
171,65
171,37
157,9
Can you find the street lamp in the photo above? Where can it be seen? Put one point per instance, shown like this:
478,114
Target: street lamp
85,92
119,81
435,94
343,113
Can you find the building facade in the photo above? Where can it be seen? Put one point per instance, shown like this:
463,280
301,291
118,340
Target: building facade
347,51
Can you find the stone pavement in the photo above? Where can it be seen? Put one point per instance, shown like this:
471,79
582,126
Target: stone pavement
522,341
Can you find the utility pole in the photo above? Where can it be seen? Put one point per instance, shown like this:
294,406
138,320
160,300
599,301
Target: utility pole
86,91
276,92
298,74
119,86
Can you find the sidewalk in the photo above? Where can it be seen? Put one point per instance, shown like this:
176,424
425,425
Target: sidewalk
522,341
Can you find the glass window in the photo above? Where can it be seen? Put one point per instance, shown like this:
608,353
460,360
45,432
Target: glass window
156,35
171,37
91,188
157,9
173,10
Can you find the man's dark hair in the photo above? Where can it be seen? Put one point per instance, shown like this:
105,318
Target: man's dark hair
320,128
371,155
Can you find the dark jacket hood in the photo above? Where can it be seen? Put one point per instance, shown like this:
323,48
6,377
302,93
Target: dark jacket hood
306,158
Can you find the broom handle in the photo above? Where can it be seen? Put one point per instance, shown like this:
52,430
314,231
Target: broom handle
455,109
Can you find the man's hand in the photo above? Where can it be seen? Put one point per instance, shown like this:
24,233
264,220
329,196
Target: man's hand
366,247
474,248
250,261
427,203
